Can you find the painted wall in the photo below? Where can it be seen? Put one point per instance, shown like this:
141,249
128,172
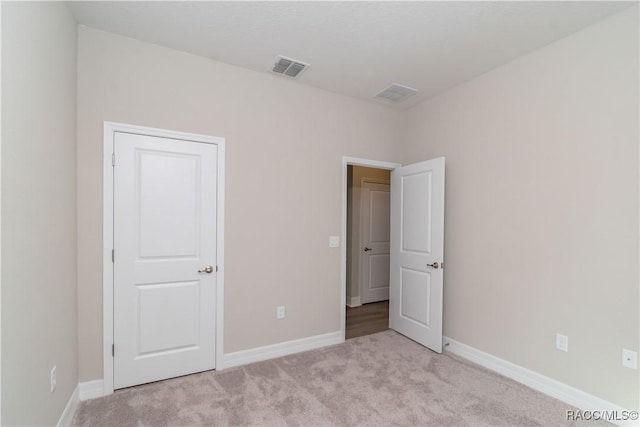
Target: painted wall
354,198
541,231
38,211
542,194
285,143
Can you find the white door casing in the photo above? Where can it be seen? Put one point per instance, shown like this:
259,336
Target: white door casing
417,252
167,227
374,241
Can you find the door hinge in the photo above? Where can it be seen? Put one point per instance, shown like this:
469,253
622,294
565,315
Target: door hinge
113,159
113,350
113,256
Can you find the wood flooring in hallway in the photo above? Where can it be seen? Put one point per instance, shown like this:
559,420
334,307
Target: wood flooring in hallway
367,319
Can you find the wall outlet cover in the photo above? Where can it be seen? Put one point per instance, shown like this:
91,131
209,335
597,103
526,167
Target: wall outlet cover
280,312
629,359
562,342
334,241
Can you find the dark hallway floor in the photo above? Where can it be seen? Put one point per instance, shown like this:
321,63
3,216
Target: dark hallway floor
367,319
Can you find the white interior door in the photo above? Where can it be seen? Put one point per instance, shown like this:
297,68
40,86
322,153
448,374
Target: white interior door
374,248
164,239
417,250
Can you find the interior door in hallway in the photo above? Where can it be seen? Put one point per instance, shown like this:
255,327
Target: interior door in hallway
165,258
374,251
417,251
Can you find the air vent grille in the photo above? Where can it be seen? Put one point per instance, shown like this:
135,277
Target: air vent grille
289,67
396,93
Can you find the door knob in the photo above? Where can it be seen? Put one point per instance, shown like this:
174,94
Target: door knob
434,265
208,269
367,249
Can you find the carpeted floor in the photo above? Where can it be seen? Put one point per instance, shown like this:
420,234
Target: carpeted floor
376,380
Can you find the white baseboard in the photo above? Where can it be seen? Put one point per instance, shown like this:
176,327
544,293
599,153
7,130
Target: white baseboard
91,389
536,381
353,302
70,409
258,354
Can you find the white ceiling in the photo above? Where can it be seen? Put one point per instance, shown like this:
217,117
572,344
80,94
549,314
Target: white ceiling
354,48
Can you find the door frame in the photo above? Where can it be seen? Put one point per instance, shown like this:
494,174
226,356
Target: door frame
110,128
351,161
364,181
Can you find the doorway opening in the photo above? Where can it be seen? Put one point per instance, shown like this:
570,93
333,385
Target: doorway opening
366,252
368,198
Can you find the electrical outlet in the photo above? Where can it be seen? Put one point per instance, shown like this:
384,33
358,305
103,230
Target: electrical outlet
629,359
334,241
562,342
53,379
280,312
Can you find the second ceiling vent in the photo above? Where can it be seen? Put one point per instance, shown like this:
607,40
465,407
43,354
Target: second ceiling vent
396,93
289,67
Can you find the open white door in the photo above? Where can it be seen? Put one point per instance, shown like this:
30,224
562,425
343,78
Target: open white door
417,251
165,258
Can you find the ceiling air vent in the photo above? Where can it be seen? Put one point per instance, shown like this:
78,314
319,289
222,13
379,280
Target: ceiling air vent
289,67
396,93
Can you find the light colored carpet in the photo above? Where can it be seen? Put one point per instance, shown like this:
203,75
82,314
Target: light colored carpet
376,380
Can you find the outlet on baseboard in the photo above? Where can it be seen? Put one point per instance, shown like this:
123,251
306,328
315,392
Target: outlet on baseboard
562,342
280,312
53,379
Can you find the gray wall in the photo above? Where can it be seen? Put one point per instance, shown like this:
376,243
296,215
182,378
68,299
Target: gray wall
541,229
39,327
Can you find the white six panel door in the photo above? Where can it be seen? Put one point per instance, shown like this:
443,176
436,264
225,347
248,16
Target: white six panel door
164,234
374,262
417,251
